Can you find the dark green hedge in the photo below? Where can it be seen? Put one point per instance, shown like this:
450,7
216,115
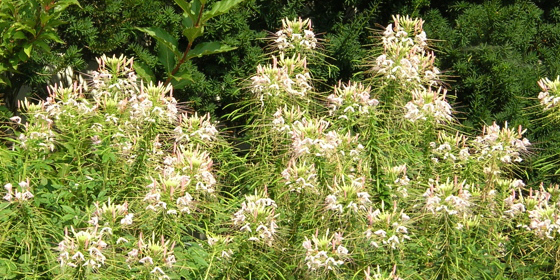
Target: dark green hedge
494,52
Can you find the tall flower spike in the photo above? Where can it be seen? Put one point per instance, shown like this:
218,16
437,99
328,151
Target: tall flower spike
406,58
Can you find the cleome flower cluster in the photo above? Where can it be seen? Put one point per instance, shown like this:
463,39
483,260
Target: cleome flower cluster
406,57
295,36
256,219
20,194
87,247
537,212
284,79
351,102
348,194
386,229
121,121
153,255
186,176
84,248
325,253
427,103
451,197
499,144
549,95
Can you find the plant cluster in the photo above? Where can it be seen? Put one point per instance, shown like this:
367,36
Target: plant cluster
112,178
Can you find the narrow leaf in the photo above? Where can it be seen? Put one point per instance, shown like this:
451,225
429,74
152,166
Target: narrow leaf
14,61
22,56
68,209
19,26
5,81
45,17
207,48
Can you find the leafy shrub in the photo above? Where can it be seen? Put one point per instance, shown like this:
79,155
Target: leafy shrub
26,25
371,180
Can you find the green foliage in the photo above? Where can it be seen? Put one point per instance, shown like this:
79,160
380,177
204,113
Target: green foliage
388,146
495,52
25,26
83,161
495,64
372,179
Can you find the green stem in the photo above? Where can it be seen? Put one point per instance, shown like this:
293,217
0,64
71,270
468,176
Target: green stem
189,46
297,218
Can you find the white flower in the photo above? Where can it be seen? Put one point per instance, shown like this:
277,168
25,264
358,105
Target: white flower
381,233
122,240
16,119
146,259
127,220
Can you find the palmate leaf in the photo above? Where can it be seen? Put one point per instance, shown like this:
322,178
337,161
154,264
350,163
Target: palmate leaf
207,48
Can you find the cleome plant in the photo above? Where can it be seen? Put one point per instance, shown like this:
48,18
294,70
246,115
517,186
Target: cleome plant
112,178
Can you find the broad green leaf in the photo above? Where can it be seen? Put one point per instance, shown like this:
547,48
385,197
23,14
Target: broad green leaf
49,35
183,76
144,71
22,56
53,23
196,5
186,7
180,80
108,157
27,49
163,37
68,209
45,17
19,26
188,22
193,33
63,4
207,48
44,46
219,8
5,81
8,268
14,61
19,35
167,58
